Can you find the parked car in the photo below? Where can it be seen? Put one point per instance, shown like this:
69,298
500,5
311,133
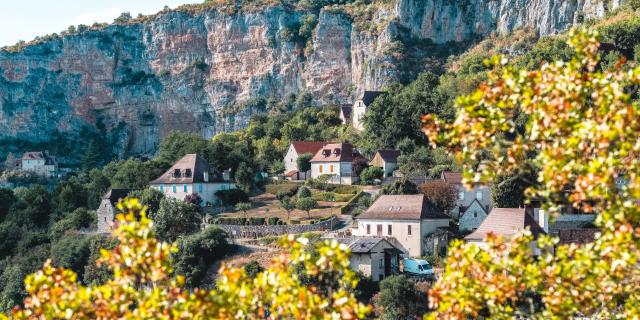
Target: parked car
418,268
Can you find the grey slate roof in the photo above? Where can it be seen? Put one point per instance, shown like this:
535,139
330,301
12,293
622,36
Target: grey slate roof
362,244
190,169
114,195
403,207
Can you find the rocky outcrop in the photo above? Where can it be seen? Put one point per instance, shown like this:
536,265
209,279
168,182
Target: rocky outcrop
196,72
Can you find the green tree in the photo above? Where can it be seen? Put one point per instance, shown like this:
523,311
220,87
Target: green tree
508,190
177,144
399,299
369,174
244,177
418,162
306,204
403,186
197,252
7,199
304,162
243,206
129,174
288,205
10,162
71,252
94,274
278,168
176,218
149,197
303,192
123,18
253,268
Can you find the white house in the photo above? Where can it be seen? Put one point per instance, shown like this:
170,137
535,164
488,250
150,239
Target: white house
296,149
192,174
387,160
106,213
335,159
39,162
466,197
407,219
375,257
360,107
472,216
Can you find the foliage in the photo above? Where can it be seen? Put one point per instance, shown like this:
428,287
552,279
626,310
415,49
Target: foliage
402,186
306,204
278,168
253,269
232,196
71,252
95,274
418,162
582,125
442,194
288,205
304,162
508,190
197,252
176,218
368,175
194,199
244,177
358,164
399,299
287,187
243,206
143,286
7,199
149,197
128,174
303,192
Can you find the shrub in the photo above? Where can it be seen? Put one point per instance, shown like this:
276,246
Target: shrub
272,221
253,221
289,188
344,189
232,197
368,175
304,192
294,221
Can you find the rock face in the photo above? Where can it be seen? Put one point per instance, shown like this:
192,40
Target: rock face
196,71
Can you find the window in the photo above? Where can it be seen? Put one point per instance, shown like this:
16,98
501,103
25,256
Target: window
320,168
461,195
331,168
479,195
161,188
368,229
200,188
381,263
174,188
379,229
475,214
409,229
185,188
388,229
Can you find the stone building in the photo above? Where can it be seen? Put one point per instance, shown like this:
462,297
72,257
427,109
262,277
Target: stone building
38,162
107,211
360,108
375,257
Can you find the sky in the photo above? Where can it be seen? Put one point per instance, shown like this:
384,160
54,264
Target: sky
25,19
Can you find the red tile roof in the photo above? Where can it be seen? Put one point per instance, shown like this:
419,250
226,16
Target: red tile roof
190,169
506,222
403,207
452,177
335,152
312,147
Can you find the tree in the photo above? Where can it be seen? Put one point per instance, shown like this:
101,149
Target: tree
197,252
303,192
243,206
278,168
71,252
194,199
358,164
253,268
123,18
176,218
244,177
508,190
399,299
304,162
418,162
149,197
442,194
10,162
369,174
129,174
7,199
581,130
287,205
306,204
141,262
403,186
177,144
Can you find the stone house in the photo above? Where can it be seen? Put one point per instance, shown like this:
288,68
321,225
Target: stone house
466,197
471,216
39,162
192,175
375,257
297,148
335,159
106,213
507,222
360,107
387,160
406,220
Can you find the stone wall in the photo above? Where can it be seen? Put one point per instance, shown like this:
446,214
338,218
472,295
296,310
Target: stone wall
237,231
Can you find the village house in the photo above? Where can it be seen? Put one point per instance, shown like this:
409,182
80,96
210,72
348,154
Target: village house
360,107
408,221
466,199
106,213
335,160
192,175
374,257
296,149
38,162
387,160
508,222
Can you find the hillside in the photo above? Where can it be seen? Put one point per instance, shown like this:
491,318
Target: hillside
207,68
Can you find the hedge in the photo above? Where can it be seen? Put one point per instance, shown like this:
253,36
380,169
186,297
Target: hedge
287,187
324,196
352,203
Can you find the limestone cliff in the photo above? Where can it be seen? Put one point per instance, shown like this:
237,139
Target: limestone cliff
196,71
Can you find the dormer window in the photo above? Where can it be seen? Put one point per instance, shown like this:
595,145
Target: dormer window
176,173
336,152
326,152
187,173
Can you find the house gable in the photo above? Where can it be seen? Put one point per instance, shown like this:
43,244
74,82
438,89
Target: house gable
472,216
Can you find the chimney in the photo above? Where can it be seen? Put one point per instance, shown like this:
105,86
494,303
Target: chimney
206,176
